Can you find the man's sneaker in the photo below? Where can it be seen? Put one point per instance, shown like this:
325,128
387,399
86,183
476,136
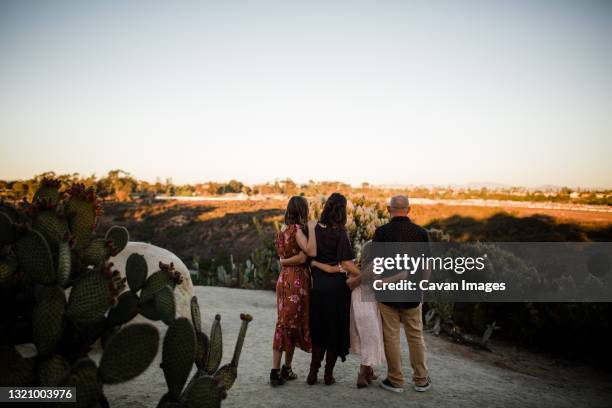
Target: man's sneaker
386,384
424,387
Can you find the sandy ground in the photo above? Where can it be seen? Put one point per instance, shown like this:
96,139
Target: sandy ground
461,377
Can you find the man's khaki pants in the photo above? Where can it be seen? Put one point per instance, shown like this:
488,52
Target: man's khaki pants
392,319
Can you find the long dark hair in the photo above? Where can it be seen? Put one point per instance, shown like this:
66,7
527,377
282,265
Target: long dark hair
297,211
334,211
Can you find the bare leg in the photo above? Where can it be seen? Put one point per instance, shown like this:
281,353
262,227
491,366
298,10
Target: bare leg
276,378
289,357
276,359
362,376
286,372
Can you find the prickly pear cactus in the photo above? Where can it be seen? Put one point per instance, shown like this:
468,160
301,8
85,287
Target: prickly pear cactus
48,318
35,258
118,238
227,374
178,355
215,348
61,293
128,353
210,384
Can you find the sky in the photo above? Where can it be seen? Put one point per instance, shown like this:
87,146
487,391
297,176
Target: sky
388,92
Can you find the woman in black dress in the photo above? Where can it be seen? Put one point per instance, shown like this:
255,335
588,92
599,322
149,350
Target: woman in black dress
330,296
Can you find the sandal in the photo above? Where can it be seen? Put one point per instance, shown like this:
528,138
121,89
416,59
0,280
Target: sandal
287,374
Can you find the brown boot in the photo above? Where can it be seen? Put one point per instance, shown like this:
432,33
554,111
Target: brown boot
370,376
315,364
275,377
330,362
362,380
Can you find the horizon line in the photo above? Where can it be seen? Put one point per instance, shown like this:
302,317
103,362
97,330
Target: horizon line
391,185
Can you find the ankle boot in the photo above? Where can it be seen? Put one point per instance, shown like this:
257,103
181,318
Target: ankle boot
287,373
370,376
330,362
275,377
362,380
315,364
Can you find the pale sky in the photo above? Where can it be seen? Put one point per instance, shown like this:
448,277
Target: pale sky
515,92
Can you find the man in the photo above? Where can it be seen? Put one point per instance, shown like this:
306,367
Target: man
394,315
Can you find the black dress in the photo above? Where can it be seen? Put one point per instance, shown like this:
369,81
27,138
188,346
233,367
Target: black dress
330,297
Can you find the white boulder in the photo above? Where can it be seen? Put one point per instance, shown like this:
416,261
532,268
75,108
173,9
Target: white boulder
153,255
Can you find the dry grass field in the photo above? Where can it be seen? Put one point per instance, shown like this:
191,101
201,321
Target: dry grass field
219,228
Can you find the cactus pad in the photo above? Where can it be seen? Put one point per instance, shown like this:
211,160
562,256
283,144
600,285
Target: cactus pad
204,392
128,353
154,284
136,271
64,263
84,376
149,310
125,309
90,297
15,370
81,209
8,267
215,350
201,355
118,237
196,317
7,229
226,375
48,194
167,401
48,318
53,371
178,354
34,257
96,253
51,226
164,303
246,319
10,211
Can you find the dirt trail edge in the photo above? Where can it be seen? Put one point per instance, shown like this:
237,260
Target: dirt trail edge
461,377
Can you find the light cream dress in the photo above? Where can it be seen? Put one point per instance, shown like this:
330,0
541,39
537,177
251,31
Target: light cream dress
366,325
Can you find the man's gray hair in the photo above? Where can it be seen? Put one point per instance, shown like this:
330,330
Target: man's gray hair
399,202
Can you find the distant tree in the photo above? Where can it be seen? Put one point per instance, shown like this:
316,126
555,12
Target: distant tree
288,187
118,185
234,186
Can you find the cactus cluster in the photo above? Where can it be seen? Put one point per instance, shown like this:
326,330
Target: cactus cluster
48,248
186,344
259,271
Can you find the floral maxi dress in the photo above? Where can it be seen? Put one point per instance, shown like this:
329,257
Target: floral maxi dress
292,296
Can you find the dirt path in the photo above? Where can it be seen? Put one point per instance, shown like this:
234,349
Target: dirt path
461,377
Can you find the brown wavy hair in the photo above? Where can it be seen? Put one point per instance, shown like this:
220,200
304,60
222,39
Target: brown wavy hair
297,211
334,211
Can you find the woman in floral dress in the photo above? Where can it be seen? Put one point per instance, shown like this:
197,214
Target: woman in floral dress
292,290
